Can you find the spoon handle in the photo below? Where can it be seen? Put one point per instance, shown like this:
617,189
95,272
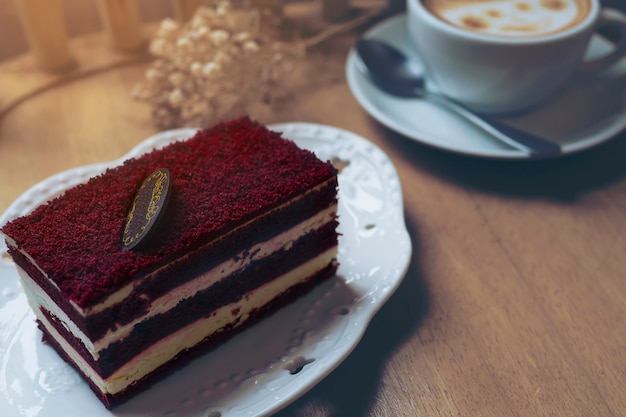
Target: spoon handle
536,146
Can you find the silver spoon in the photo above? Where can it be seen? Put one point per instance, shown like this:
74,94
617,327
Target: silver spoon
396,74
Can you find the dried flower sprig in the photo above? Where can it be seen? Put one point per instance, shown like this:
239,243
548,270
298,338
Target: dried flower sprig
223,60
212,67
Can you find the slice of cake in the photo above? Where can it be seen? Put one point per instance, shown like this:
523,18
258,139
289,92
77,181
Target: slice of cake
250,224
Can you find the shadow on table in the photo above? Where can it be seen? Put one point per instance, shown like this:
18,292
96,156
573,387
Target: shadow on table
350,390
565,179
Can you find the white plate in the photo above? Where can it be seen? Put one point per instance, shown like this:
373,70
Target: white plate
586,113
250,375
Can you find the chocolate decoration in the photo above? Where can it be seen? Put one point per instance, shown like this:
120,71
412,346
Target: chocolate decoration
148,208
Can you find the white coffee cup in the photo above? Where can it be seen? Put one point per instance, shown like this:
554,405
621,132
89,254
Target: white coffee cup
493,70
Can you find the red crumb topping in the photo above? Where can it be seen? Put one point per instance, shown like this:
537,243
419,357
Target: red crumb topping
220,177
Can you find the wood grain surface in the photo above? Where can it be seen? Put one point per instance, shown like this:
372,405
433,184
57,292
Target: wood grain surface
515,300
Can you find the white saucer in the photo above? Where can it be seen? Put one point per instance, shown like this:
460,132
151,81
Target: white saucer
586,113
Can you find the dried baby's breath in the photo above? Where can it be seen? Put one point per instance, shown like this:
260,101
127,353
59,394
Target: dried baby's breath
214,66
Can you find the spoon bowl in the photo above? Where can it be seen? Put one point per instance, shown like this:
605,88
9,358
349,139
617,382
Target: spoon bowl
390,69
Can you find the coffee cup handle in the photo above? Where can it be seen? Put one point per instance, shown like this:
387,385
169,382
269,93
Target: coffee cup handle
609,18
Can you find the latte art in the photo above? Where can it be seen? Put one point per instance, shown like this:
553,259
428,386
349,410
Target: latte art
511,18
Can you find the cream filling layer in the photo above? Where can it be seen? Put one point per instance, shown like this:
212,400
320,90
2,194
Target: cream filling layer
37,297
187,337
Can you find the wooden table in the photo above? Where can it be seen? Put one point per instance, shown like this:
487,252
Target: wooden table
515,300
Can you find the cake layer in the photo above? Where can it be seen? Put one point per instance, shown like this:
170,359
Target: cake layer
188,341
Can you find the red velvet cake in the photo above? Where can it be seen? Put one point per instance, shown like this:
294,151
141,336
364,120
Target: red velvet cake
250,224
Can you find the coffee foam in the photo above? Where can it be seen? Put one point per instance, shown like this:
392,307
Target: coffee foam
511,18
